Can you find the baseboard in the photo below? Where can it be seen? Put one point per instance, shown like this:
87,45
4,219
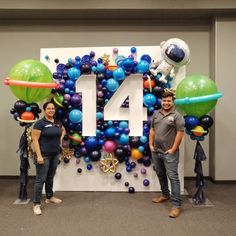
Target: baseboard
13,177
212,180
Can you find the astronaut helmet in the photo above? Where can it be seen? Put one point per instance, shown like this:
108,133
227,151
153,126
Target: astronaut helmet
175,51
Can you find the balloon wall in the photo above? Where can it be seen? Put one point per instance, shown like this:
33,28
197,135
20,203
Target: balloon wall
102,95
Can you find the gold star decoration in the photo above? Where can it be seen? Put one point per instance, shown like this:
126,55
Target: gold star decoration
105,58
67,153
109,163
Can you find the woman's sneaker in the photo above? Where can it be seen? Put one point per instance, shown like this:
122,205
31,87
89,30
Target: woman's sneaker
37,210
53,200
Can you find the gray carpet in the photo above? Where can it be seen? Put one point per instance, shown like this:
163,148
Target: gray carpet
105,213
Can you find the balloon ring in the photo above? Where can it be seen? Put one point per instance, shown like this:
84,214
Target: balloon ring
57,102
111,67
27,121
75,139
149,83
9,82
206,98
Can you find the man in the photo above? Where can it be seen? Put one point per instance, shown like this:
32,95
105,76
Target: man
166,133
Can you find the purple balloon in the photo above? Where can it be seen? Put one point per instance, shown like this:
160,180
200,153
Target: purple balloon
75,100
146,182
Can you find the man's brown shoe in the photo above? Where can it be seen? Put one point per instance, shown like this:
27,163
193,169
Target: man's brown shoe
160,199
174,212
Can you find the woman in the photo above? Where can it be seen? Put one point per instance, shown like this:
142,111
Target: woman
46,135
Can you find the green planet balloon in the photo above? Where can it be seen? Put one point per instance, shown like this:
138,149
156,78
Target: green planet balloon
196,87
30,71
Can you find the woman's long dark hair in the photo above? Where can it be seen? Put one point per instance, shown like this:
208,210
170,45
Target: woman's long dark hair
56,121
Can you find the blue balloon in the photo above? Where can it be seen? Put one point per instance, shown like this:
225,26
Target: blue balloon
75,116
109,132
89,167
70,84
91,143
128,63
147,58
191,121
149,100
112,85
119,60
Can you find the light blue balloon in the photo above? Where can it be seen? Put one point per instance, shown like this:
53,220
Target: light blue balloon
123,124
141,148
149,100
119,74
143,66
100,67
124,139
74,73
75,116
112,85
99,115
143,139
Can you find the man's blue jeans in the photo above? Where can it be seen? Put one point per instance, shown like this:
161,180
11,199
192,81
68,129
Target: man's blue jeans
166,165
45,174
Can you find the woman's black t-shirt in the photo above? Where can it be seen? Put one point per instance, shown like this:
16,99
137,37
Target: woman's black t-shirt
49,140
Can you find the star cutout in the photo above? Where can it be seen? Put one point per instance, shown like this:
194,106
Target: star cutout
109,163
67,153
105,58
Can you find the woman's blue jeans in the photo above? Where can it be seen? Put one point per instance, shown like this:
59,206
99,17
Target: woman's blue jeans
166,166
45,174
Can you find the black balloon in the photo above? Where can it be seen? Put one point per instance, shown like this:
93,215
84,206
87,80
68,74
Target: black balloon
131,190
95,155
86,68
79,170
134,142
206,121
66,160
118,175
120,153
34,108
158,91
20,106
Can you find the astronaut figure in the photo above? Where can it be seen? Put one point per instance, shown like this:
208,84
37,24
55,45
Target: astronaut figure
175,53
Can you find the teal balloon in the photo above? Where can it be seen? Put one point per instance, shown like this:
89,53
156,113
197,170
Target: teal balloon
197,92
31,71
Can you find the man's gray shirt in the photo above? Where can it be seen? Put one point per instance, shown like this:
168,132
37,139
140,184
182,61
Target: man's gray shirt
165,129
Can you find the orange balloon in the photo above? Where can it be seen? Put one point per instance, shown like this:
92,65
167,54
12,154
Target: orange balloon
27,115
136,154
148,83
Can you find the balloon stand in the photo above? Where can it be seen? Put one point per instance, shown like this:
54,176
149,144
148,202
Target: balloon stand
25,153
199,199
